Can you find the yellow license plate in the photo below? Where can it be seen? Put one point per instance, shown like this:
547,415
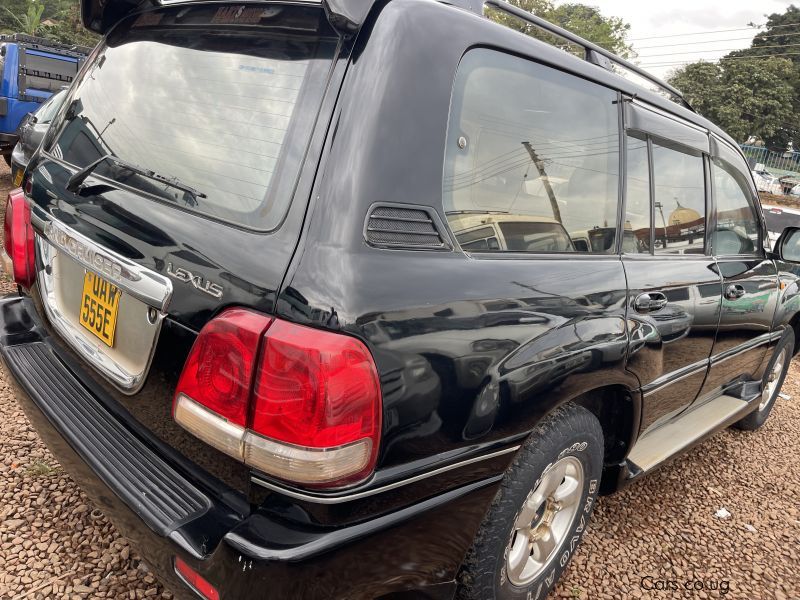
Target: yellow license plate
99,307
18,177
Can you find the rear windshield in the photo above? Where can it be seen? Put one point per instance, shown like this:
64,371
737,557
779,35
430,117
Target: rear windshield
219,100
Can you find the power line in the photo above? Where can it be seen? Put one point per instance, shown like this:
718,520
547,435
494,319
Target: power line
742,39
718,50
686,62
753,28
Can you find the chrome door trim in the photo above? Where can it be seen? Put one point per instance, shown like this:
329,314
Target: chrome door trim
674,377
140,282
378,490
762,339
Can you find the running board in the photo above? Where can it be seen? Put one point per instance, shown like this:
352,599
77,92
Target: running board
684,431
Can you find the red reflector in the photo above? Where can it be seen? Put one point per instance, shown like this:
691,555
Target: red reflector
18,241
219,371
195,581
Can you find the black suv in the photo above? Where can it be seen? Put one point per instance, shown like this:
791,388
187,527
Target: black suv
355,300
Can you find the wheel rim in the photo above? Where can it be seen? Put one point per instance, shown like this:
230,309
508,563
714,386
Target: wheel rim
773,377
545,520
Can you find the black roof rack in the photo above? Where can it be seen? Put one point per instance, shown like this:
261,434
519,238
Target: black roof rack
593,53
30,40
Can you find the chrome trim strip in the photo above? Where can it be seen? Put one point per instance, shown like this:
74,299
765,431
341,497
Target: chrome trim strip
765,338
385,488
674,377
143,284
717,359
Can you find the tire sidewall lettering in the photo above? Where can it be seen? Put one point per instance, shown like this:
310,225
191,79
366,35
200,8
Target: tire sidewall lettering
572,540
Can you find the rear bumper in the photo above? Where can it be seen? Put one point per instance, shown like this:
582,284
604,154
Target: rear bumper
167,512
18,159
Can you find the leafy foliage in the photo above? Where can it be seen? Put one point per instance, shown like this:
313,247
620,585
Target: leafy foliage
54,19
750,91
31,21
585,21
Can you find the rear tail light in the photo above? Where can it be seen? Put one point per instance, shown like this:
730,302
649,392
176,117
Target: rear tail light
18,258
297,403
195,581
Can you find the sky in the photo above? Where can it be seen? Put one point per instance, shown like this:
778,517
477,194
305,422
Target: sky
649,19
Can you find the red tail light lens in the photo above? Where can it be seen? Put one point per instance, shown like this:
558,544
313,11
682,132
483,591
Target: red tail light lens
195,581
220,367
20,258
314,413
315,388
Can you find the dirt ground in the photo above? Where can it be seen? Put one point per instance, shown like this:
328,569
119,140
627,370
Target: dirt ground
660,538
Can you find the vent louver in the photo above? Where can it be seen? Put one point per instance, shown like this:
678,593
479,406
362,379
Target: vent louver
404,227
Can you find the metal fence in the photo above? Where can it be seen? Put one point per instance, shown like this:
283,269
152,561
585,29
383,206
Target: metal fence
777,163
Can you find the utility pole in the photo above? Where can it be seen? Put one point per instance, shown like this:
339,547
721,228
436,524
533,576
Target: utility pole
539,163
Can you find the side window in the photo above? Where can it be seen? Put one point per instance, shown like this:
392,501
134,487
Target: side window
680,200
737,230
636,232
532,153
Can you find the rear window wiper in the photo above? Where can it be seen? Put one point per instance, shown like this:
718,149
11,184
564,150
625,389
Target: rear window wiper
75,182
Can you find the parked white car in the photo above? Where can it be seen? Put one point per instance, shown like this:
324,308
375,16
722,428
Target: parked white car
767,182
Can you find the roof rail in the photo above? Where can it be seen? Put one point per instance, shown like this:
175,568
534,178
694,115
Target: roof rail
23,38
593,53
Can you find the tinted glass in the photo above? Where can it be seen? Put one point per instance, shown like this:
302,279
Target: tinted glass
534,152
680,201
636,238
49,109
736,231
226,109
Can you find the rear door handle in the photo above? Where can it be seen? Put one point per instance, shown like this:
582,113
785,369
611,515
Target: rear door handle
650,302
734,291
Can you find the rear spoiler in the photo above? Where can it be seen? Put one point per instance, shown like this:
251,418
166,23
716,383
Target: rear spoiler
99,16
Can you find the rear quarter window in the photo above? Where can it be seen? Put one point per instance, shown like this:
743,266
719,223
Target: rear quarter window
534,152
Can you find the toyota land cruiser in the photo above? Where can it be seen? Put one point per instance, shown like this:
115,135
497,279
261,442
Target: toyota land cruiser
373,299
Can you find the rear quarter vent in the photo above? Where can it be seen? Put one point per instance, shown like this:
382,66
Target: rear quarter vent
404,227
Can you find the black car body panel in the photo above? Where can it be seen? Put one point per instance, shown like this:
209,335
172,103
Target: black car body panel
472,349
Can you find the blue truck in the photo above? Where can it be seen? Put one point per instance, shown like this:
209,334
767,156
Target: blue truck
31,70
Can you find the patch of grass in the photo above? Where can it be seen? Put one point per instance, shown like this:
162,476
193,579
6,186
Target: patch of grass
40,468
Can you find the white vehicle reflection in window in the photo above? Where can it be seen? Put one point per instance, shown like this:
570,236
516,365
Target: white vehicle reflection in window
487,232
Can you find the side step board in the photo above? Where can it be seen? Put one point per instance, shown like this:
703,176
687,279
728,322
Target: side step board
685,431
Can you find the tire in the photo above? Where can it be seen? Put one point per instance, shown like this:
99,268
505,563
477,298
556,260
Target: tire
568,442
774,376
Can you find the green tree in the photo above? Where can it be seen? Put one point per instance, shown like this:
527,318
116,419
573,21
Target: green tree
744,97
69,29
585,21
57,19
779,38
31,20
